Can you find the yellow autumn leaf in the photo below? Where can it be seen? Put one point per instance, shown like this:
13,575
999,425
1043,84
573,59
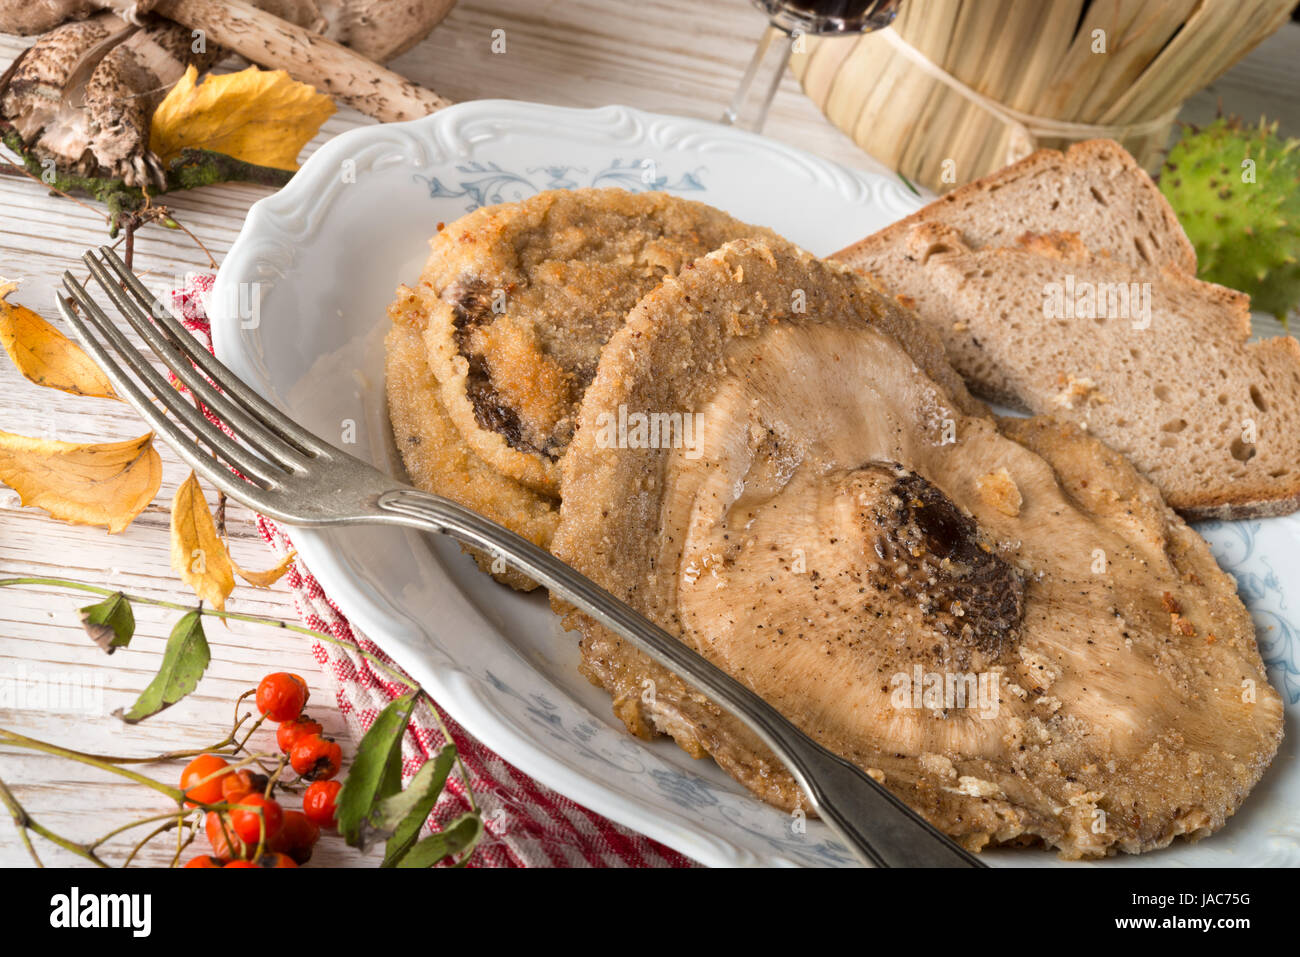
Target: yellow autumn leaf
259,116
43,354
267,578
198,553
107,484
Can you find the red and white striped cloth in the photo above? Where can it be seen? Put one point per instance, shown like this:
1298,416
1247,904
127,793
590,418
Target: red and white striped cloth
527,824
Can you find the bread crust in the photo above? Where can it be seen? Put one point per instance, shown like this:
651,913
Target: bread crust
931,232
1182,256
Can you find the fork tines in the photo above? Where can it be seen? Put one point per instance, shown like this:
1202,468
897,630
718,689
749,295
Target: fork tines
271,447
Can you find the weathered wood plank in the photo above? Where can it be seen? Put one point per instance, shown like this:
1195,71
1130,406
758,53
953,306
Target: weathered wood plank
677,56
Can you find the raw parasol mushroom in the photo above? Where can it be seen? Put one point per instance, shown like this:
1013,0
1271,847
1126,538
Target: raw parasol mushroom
29,17
377,29
83,95
378,26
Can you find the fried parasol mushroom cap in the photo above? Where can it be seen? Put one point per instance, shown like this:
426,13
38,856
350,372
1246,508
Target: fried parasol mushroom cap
1001,621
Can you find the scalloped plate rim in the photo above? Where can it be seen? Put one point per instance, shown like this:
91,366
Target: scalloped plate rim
277,221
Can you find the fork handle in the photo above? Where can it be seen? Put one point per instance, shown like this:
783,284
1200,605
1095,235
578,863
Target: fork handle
879,827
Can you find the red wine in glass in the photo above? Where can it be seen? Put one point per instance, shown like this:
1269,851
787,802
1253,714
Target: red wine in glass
789,21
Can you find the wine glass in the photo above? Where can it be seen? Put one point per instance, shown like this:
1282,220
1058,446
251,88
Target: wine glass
790,21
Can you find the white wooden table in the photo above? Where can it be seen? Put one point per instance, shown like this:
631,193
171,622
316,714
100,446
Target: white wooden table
674,56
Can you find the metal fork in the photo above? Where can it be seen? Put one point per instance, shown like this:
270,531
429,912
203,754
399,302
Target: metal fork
293,476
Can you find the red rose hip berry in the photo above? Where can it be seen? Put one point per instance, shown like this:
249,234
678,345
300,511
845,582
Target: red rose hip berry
281,696
225,843
202,778
253,813
318,802
240,783
273,860
297,837
316,758
289,732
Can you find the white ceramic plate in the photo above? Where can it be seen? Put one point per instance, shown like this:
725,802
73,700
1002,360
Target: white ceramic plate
298,312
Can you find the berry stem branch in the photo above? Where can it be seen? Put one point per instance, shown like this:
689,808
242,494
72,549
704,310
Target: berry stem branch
169,816
140,844
22,741
19,815
218,748
24,822
214,613
460,765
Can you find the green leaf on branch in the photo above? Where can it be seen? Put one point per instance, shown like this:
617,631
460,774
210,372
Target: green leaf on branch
184,661
376,770
401,816
110,623
457,837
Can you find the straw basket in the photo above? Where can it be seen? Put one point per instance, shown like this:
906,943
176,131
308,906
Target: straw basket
958,88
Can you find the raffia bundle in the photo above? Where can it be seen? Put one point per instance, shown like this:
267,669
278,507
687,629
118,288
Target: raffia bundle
958,88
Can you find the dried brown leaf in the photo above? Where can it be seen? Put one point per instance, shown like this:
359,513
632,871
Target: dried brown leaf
198,553
267,578
263,117
43,354
106,484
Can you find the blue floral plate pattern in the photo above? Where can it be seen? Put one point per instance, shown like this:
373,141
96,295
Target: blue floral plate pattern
324,256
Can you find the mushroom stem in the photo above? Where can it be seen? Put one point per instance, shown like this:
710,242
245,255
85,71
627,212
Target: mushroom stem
271,42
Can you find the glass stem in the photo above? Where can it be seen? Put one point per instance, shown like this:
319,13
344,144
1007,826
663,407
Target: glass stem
749,108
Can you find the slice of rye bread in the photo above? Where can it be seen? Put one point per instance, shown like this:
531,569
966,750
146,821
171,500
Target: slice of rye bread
1099,193
1212,420
1095,189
